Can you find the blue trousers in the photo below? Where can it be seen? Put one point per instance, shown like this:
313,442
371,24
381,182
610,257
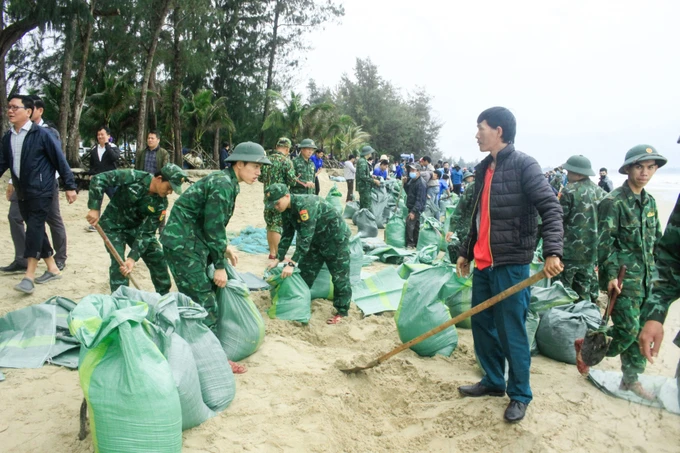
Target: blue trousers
499,331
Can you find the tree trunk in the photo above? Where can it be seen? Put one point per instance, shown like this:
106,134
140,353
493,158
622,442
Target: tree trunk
4,123
153,119
216,147
177,88
66,74
157,27
79,95
270,68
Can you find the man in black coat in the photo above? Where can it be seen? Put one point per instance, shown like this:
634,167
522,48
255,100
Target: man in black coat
510,190
104,156
416,197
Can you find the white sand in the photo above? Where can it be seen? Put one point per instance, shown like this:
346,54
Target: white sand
294,399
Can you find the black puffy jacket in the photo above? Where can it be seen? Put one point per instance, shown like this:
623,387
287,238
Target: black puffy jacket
518,191
41,156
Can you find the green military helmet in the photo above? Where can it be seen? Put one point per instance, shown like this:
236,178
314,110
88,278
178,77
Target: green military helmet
249,152
176,176
366,150
307,143
641,153
467,174
284,142
274,193
579,164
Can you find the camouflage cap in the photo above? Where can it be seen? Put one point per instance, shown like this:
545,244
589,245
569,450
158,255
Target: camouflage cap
284,142
366,150
249,152
307,143
176,176
641,153
467,174
579,164
274,193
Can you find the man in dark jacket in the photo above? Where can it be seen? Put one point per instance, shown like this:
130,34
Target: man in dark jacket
153,158
416,196
104,156
33,155
508,191
605,183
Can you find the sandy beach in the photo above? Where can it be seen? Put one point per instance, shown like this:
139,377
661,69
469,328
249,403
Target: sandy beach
294,399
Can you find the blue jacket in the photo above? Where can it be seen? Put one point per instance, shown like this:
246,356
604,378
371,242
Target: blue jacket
318,162
41,156
456,176
378,172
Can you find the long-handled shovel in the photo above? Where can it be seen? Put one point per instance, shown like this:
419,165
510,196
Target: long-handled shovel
473,311
115,254
595,344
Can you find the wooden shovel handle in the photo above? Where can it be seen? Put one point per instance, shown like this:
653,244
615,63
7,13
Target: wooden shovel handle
114,252
473,311
613,297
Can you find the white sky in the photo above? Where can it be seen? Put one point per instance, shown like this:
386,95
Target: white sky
582,77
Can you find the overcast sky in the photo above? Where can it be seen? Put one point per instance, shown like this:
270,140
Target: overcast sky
582,77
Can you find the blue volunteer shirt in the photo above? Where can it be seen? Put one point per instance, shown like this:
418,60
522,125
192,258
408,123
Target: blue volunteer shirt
456,176
318,162
378,172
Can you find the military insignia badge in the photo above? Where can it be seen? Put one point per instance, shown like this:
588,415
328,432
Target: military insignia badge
650,214
304,215
649,150
151,208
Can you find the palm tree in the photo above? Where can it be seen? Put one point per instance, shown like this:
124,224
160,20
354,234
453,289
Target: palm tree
204,114
116,96
347,136
294,115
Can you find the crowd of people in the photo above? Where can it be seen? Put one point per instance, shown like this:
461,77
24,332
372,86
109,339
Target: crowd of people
587,230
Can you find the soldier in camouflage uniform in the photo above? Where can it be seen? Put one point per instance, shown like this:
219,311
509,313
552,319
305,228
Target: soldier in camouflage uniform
579,200
364,180
280,171
666,290
195,235
322,237
132,217
304,169
557,180
628,225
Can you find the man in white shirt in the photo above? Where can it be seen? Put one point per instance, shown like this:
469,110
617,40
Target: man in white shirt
350,172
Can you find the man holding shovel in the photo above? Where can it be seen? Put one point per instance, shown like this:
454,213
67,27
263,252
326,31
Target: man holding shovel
629,228
509,191
133,216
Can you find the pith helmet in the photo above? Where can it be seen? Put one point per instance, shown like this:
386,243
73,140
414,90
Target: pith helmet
176,176
249,152
467,174
641,153
579,164
274,193
284,142
307,143
366,150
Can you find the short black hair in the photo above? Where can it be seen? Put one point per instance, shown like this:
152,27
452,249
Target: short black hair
26,101
446,176
427,159
319,150
105,128
351,156
603,169
157,174
226,144
503,118
154,132
384,162
37,101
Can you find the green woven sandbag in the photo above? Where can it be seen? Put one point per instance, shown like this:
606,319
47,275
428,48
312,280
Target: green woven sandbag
422,308
322,288
132,399
458,295
291,299
427,254
430,233
240,327
356,259
395,232
334,198
366,223
351,207
543,299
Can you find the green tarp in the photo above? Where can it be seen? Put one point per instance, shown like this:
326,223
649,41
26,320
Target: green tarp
665,389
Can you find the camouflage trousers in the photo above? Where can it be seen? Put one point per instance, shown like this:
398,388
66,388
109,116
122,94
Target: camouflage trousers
188,267
152,257
581,278
365,198
336,256
624,333
273,220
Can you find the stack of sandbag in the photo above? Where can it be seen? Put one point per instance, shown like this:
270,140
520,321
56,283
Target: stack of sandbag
366,223
351,207
422,308
561,326
334,198
132,398
291,298
430,233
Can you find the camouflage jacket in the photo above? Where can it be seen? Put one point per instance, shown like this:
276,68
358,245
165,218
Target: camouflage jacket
200,215
556,181
304,171
315,221
462,216
280,171
579,202
628,231
363,177
132,209
667,260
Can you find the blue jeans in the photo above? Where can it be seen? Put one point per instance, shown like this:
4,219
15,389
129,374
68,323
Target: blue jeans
499,332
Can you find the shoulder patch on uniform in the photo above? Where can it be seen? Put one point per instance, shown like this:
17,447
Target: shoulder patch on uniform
651,214
151,208
304,215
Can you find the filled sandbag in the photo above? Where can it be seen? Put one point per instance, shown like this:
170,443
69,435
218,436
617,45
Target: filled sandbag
356,259
395,232
427,254
334,198
291,298
458,296
391,255
131,394
430,233
322,288
422,308
351,208
543,299
532,326
366,223
561,326
380,198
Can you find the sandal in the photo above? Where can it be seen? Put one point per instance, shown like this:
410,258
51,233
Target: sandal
580,365
337,319
237,368
638,389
